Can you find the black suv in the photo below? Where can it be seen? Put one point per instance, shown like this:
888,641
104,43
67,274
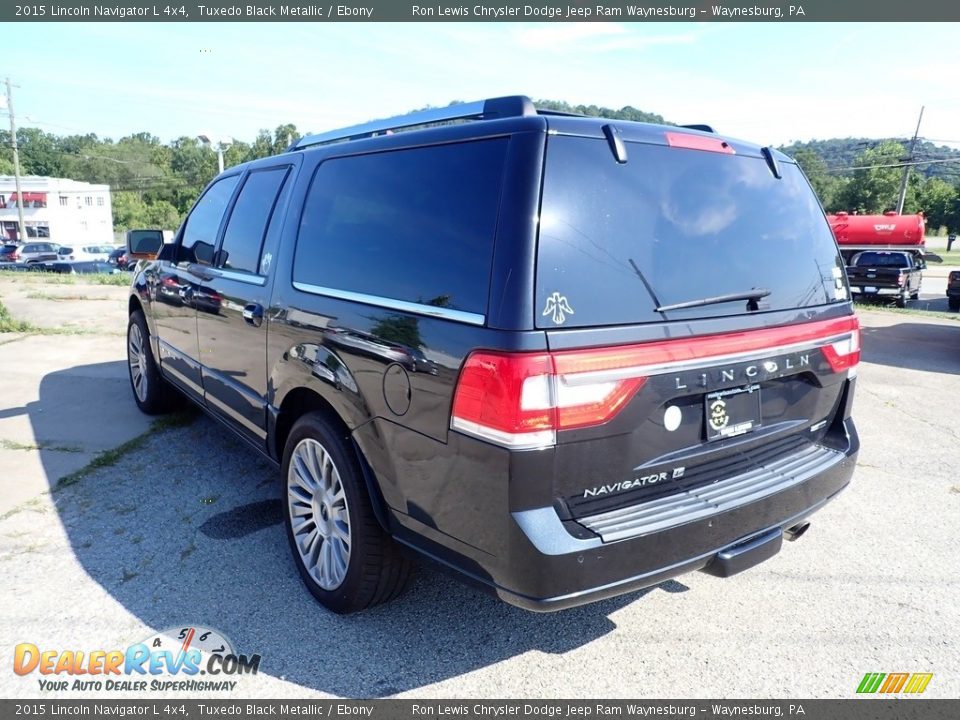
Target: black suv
567,357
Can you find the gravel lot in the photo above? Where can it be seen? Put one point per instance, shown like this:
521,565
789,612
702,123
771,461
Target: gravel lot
186,529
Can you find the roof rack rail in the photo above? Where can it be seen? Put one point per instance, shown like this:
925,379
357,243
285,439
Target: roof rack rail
510,106
701,127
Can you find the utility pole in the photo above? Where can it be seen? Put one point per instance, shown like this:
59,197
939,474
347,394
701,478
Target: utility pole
22,232
906,169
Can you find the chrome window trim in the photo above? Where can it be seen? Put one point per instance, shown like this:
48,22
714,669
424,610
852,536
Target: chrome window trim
248,278
391,304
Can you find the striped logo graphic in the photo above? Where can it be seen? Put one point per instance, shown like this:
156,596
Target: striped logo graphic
910,683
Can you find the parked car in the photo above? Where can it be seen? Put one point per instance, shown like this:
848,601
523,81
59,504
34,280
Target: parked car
642,350
86,253
121,259
953,290
82,267
9,253
38,252
895,274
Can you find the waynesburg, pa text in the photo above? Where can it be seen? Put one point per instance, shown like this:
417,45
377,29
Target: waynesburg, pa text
580,12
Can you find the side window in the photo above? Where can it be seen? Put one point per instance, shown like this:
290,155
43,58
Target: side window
415,225
200,230
243,238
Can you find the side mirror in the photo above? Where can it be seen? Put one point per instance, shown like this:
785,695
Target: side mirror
144,244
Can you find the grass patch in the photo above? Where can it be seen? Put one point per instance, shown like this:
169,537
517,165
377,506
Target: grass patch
108,458
14,445
48,296
8,324
949,258
52,278
916,312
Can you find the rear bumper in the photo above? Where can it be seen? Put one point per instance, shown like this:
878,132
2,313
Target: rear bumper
548,565
877,290
721,561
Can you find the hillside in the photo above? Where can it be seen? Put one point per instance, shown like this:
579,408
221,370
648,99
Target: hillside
837,153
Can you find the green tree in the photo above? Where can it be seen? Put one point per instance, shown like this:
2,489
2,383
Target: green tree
939,201
825,185
874,188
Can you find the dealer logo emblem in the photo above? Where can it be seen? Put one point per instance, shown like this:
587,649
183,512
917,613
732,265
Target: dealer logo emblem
718,414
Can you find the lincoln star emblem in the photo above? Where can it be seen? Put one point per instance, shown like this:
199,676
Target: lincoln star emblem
558,307
718,414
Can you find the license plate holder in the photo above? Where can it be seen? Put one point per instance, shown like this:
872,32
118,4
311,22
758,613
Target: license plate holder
871,289
728,413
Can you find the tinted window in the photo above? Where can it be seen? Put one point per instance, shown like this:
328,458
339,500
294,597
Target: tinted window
243,238
689,224
414,225
881,259
200,230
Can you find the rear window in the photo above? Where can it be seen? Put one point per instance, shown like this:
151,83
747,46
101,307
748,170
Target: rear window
880,259
413,225
679,225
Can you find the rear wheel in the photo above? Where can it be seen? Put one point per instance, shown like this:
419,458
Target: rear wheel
343,556
151,392
901,300
915,295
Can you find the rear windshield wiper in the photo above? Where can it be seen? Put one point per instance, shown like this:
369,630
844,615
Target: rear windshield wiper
754,294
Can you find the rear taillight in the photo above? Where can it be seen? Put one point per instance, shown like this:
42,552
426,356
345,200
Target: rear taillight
521,400
844,354
900,280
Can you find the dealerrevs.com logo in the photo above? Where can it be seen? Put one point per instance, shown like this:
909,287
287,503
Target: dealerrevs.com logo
190,658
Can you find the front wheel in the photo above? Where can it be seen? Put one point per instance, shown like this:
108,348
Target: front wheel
343,556
150,391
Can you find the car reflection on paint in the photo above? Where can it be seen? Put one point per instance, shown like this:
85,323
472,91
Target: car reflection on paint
168,290
171,291
410,358
205,299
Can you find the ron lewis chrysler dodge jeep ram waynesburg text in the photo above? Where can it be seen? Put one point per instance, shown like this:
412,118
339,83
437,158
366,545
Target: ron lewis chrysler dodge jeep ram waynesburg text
567,357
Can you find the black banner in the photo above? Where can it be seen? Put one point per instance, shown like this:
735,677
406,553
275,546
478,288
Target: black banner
492,11
857,709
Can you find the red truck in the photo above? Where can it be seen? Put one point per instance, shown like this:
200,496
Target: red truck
884,254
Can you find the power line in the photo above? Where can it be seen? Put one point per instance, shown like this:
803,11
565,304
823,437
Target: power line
894,165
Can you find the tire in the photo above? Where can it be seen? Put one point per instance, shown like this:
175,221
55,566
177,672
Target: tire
954,302
347,561
153,394
901,300
915,295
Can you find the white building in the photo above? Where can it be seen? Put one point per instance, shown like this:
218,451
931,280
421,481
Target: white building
65,211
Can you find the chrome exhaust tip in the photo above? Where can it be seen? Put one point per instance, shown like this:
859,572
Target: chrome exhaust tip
794,533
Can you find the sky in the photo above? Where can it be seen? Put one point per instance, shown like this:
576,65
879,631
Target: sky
767,83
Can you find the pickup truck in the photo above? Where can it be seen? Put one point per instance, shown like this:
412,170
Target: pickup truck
888,273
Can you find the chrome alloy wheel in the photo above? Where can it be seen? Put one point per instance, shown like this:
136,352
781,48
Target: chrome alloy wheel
136,356
318,514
